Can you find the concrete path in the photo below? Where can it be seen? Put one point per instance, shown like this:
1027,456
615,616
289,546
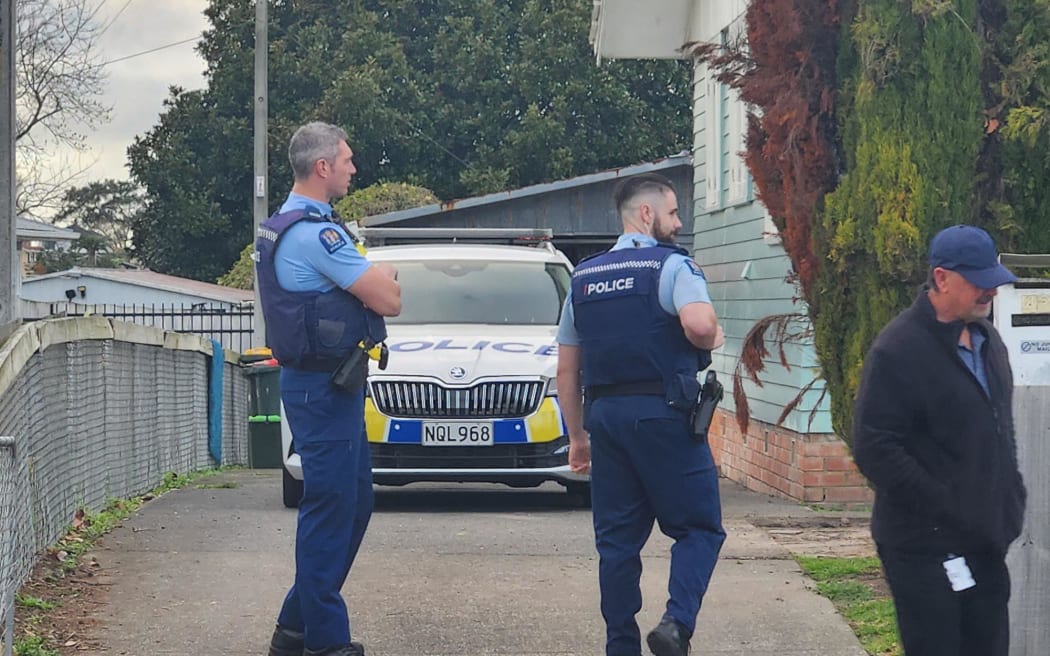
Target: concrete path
444,571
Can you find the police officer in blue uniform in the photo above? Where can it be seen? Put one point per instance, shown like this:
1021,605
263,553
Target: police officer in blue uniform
321,300
636,330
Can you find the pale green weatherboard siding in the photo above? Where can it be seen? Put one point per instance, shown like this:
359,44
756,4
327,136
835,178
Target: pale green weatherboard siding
725,240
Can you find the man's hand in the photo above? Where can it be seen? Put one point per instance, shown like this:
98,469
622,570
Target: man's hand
377,288
580,453
387,269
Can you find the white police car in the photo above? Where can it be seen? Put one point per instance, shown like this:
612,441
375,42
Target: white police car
469,391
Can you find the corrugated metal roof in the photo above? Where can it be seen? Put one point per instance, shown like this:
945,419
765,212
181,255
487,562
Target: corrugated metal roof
30,229
503,196
154,280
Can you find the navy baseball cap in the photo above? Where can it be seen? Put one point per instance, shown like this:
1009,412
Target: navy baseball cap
970,252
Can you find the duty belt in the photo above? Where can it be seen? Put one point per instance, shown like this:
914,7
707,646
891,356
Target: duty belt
641,387
318,365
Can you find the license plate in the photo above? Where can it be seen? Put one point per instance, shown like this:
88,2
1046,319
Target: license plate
457,434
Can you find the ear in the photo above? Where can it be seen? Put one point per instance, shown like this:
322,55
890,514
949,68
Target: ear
645,213
940,279
321,168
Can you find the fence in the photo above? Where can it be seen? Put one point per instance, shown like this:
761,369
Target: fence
93,409
7,580
231,325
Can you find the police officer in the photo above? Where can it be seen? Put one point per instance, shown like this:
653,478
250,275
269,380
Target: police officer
321,299
636,330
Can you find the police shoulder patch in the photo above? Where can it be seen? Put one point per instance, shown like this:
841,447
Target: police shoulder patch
331,239
695,269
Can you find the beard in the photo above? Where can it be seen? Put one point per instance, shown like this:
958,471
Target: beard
662,235
982,309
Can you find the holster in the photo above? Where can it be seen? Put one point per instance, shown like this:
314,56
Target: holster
711,392
352,372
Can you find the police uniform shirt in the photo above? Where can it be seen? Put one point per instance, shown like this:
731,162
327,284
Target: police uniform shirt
316,256
681,283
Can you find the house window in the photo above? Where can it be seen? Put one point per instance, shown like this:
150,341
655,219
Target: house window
725,125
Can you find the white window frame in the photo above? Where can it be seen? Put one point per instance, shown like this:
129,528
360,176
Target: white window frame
712,140
736,192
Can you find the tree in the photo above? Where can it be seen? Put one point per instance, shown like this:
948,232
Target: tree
383,198
108,207
60,82
1023,48
360,204
939,118
461,97
90,250
242,274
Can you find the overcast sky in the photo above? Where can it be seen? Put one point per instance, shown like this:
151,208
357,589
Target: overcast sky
137,86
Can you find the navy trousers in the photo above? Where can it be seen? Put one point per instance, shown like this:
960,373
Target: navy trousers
646,466
329,435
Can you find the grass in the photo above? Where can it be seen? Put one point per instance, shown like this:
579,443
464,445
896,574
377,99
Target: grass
855,586
34,602
33,646
80,537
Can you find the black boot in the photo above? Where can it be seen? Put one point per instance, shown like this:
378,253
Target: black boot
286,642
669,638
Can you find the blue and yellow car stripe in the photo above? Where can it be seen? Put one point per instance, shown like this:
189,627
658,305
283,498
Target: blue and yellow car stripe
544,425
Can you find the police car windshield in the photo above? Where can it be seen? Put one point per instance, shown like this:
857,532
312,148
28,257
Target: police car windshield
514,293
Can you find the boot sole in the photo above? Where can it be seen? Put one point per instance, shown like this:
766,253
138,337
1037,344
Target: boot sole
662,645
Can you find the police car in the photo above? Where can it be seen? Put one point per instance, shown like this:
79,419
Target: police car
468,394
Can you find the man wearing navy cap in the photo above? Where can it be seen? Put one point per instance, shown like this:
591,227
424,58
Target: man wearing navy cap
934,433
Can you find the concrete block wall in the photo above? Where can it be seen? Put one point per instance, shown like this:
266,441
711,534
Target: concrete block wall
811,468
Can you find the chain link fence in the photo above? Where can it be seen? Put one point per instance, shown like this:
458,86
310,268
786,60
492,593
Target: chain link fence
7,541
93,409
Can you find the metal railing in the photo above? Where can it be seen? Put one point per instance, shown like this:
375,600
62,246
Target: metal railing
94,409
232,326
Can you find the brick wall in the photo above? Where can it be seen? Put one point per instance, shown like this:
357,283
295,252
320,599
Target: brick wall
812,467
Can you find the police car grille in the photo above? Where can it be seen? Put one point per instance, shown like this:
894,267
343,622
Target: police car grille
484,400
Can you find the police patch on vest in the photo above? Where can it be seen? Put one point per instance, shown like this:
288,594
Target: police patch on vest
331,239
695,269
606,286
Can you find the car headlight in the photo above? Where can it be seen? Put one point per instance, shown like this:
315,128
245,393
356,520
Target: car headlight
552,387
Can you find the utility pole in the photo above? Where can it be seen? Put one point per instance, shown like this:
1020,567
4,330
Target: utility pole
9,263
260,194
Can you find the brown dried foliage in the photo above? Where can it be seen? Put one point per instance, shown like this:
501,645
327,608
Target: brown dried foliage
786,69
779,329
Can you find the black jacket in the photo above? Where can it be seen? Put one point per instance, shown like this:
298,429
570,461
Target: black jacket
940,453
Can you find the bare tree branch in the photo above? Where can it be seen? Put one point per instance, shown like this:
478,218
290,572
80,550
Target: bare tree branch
42,184
61,79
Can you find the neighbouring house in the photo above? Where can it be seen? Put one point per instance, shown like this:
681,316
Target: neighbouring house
746,267
144,297
579,211
36,237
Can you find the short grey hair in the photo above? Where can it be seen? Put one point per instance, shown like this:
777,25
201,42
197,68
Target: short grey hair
312,142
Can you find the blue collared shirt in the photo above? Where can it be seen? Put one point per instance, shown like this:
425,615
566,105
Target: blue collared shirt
316,256
681,283
973,357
